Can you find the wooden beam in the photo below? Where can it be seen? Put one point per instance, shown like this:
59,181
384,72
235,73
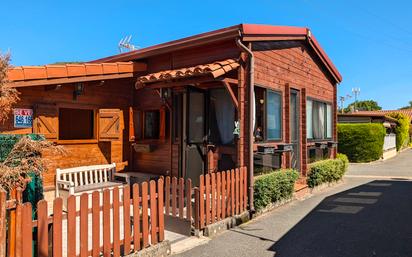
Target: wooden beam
232,95
52,87
44,82
272,38
231,81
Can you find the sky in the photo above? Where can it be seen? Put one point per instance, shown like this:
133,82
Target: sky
370,42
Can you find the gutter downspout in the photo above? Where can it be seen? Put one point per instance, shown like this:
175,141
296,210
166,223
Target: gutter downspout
251,85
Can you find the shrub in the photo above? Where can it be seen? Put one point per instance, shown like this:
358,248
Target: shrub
327,171
275,186
344,159
8,96
401,130
361,142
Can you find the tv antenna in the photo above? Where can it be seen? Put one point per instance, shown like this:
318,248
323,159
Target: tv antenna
125,45
342,100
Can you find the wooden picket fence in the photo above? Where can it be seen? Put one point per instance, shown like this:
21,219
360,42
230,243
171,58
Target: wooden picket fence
178,197
104,217
220,195
99,217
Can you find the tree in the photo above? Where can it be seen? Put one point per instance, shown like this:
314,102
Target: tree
407,107
366,105
8,95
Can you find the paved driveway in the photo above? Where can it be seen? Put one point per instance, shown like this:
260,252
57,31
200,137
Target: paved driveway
399,166
369,214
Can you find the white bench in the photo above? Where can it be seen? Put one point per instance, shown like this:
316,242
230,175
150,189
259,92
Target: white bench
85,179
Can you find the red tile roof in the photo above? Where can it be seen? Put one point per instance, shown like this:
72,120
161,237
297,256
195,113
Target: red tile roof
407,112
69,70
243,30
367,114
23,76
215,69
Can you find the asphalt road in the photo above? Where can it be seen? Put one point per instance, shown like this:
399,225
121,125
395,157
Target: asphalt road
369,214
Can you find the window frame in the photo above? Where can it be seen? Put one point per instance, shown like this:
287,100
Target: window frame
325,103
141,114
95,123
265,122
143,128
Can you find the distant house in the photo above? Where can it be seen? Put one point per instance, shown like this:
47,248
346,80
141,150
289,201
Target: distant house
213,101
407,112
389,146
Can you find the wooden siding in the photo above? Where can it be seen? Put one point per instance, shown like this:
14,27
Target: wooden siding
292,65
112,94
194,56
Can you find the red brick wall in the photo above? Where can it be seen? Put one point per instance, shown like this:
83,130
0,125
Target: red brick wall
296,67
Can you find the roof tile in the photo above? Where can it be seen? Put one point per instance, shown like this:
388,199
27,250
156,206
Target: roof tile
216,69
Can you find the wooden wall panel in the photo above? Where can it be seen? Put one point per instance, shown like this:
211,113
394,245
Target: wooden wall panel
112,94
194,56
293,66
156,162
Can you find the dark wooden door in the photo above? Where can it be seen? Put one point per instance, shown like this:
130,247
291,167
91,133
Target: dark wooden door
195,135
295,128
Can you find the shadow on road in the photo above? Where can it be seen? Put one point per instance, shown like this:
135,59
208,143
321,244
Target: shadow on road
374,219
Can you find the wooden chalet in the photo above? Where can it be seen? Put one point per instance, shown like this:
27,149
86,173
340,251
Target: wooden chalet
238,96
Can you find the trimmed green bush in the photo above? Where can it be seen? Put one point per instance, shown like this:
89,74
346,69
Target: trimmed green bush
344,159
361,142
327,171
275,186
401,130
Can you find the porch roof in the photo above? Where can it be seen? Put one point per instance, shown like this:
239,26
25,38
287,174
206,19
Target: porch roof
215,69
24,76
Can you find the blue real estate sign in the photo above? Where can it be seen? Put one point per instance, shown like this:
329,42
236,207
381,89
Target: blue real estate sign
23,118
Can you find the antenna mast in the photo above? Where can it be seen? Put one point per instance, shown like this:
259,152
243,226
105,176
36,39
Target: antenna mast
125,45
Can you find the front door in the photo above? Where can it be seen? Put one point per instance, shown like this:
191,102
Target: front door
295,128
194,135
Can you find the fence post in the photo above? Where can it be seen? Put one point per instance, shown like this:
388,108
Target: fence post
197,211
2,223
12,227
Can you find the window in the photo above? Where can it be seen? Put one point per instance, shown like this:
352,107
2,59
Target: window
221,117
273,115
76,124
268,115
151,124
318,120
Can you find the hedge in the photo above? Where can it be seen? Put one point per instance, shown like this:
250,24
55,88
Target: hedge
401,130
361,142
275,186
327,171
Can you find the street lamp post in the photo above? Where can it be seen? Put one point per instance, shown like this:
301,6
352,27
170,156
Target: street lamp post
356,92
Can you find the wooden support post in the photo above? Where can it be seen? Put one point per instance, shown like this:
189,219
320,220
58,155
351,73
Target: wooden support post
241,114
232,95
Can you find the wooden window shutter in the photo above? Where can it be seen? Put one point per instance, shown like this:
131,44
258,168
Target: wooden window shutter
46,121
132,136
162,123
110,124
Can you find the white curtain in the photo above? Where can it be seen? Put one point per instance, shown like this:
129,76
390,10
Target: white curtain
318,120
254,110
309,119
225,114
328,121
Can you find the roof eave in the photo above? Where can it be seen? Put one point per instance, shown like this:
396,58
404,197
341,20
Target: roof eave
196,40
253,32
